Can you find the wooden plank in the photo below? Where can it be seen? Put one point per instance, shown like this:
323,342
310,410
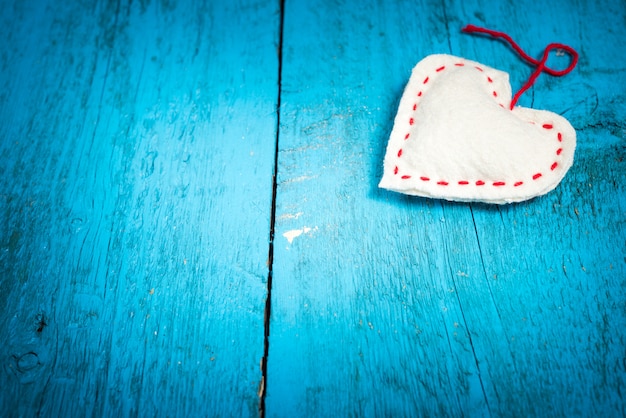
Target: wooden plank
385,305
137,148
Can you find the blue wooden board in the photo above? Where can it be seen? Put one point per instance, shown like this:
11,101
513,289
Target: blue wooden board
137,153
385,305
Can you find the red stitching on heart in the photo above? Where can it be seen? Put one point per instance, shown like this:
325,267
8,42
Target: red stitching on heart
498,183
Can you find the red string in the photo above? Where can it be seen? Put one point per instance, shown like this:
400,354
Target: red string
540,64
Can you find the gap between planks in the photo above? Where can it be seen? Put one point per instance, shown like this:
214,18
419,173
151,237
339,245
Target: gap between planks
270,256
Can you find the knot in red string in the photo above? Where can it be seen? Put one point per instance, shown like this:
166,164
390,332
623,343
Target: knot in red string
539,64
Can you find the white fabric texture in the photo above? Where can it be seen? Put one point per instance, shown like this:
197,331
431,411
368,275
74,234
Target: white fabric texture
455,138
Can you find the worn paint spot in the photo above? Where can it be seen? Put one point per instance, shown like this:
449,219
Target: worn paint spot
294,233
298,179
289,216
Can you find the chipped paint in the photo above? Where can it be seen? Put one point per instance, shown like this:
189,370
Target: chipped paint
289,216
294,233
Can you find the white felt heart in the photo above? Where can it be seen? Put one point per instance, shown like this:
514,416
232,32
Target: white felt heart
455,138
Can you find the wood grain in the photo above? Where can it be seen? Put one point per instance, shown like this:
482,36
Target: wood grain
385,305
137,151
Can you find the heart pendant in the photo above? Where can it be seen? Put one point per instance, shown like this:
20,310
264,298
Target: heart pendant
455,138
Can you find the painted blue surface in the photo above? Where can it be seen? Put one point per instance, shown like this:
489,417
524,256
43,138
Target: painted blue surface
398,306
137,151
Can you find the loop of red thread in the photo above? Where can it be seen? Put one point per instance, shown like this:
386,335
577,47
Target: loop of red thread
540,64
